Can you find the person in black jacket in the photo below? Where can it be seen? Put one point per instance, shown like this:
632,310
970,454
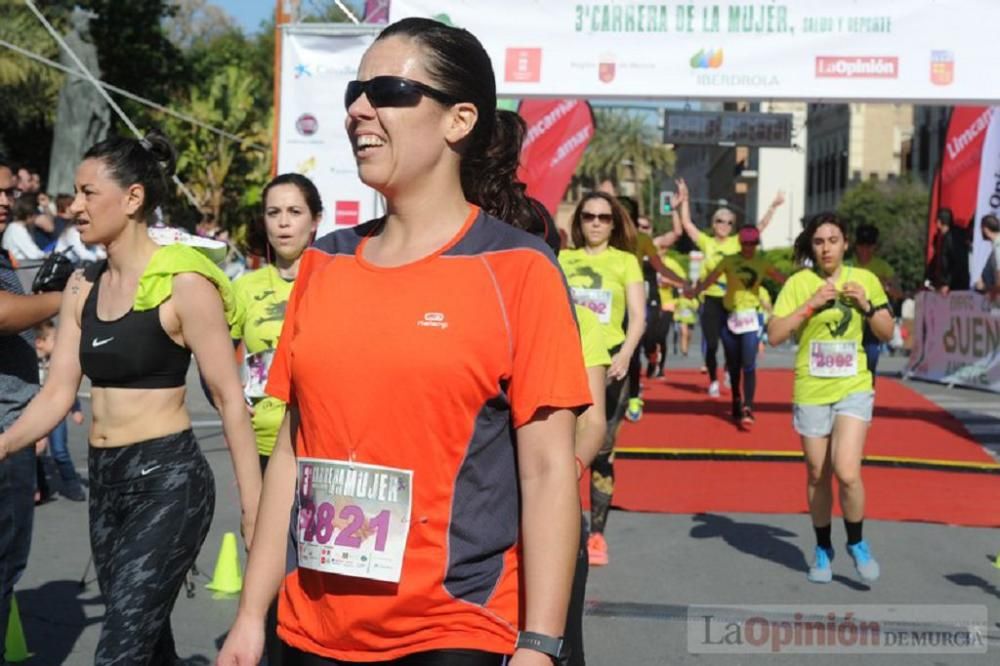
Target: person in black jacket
949,270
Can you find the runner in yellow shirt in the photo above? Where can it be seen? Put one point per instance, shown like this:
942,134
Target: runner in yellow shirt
292,211
744,273
669,299
604,276
715,245
824,309
865,247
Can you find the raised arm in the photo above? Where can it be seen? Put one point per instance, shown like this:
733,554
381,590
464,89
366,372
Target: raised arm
55,399
683,210
779,199
205,332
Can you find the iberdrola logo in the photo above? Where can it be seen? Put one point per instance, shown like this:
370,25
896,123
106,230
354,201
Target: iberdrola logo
707,59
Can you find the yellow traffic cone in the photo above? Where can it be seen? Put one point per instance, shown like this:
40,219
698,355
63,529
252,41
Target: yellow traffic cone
16,645
227,577
996,560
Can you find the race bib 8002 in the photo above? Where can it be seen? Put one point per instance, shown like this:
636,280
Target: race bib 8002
833,359
597,301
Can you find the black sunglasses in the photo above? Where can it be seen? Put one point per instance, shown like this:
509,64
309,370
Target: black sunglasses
11,192
604,218
390,91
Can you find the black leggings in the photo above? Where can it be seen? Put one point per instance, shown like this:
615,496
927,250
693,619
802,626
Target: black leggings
713,318
295,657
661,336
151,504
602,472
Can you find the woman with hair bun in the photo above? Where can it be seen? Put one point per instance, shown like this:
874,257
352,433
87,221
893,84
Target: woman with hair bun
130,323
433,369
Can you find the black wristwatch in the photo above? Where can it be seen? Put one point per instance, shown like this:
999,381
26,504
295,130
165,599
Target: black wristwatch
540,643
869,312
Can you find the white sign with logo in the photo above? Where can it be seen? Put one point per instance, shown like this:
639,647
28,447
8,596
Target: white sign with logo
956,340
317,62
803,50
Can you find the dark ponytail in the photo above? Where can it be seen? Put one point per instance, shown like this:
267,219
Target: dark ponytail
460,67
148,162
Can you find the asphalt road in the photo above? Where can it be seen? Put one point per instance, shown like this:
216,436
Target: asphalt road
638,606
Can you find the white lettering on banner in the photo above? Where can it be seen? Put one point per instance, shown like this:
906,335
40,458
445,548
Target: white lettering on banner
546,122
958,143
864,67
571,144
765,46
957,340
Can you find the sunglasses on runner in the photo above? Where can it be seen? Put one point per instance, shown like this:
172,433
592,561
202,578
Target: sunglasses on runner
603,218
394,91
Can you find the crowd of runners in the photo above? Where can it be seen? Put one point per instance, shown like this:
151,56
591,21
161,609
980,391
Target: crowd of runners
413,402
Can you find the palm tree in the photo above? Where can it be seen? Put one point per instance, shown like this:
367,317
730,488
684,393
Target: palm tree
30,88
624,147
206,161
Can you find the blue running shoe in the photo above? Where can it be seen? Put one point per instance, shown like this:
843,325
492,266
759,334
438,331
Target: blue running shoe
634,411
821,571
866,565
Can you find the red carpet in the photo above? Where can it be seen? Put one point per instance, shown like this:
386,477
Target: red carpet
681,421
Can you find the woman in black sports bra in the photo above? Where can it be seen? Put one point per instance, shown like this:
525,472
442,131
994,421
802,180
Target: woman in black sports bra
131,324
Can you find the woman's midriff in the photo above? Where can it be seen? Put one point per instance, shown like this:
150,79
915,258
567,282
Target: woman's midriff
124,416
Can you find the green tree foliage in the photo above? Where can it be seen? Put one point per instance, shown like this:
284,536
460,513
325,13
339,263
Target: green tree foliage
624,146
215,168
27,104
899,210
134,49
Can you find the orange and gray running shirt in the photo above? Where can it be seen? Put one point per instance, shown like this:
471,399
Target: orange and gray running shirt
430,367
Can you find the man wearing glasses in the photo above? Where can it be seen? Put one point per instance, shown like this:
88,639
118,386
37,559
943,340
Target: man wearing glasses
18,383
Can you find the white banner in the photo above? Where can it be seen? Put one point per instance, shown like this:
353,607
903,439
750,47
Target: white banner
956,340
914,50
316,65
988,199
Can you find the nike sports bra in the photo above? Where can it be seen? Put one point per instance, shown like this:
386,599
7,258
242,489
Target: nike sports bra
132,351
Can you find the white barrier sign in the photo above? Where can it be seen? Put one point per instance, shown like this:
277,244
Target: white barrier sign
316,65
698,49
957,340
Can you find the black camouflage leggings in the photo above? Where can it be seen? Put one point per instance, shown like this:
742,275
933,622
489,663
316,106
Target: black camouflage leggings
151,505
602,470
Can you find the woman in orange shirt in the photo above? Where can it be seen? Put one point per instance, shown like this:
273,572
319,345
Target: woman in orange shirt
432,368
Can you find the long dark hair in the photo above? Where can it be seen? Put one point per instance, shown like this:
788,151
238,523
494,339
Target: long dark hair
623,233
256,241
803,243
148,162
460,67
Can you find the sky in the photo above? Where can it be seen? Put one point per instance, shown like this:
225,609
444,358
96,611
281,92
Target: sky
249,13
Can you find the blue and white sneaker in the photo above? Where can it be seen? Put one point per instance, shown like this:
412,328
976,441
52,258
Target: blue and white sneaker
866,565
821,570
